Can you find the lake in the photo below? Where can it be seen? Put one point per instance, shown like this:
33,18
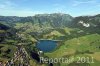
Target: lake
46,45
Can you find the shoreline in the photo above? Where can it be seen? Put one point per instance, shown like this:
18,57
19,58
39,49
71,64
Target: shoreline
50,39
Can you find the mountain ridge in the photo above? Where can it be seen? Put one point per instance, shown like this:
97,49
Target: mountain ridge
54,20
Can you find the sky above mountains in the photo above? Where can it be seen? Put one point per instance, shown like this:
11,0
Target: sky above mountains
32,7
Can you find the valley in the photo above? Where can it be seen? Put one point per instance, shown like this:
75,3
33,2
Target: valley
70,36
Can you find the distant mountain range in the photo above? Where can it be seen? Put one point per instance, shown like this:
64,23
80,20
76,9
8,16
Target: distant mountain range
55,20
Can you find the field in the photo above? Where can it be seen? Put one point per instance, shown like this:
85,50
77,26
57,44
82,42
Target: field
86,46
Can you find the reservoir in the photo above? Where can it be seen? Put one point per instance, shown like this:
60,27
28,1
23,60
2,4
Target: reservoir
46,45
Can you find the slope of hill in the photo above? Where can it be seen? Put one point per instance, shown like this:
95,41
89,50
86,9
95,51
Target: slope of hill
87,23
85,46
55,20
3,32
3,27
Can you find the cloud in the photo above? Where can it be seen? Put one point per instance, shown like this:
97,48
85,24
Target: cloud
7,4
77,3
7,7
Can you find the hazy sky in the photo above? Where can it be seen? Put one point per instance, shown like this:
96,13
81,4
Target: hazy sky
31,7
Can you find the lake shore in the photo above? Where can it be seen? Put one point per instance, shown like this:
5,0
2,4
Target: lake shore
50,39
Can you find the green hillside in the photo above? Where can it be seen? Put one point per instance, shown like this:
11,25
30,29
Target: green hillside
88,46
75,37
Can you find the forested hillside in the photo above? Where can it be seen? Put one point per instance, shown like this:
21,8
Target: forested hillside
54,20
